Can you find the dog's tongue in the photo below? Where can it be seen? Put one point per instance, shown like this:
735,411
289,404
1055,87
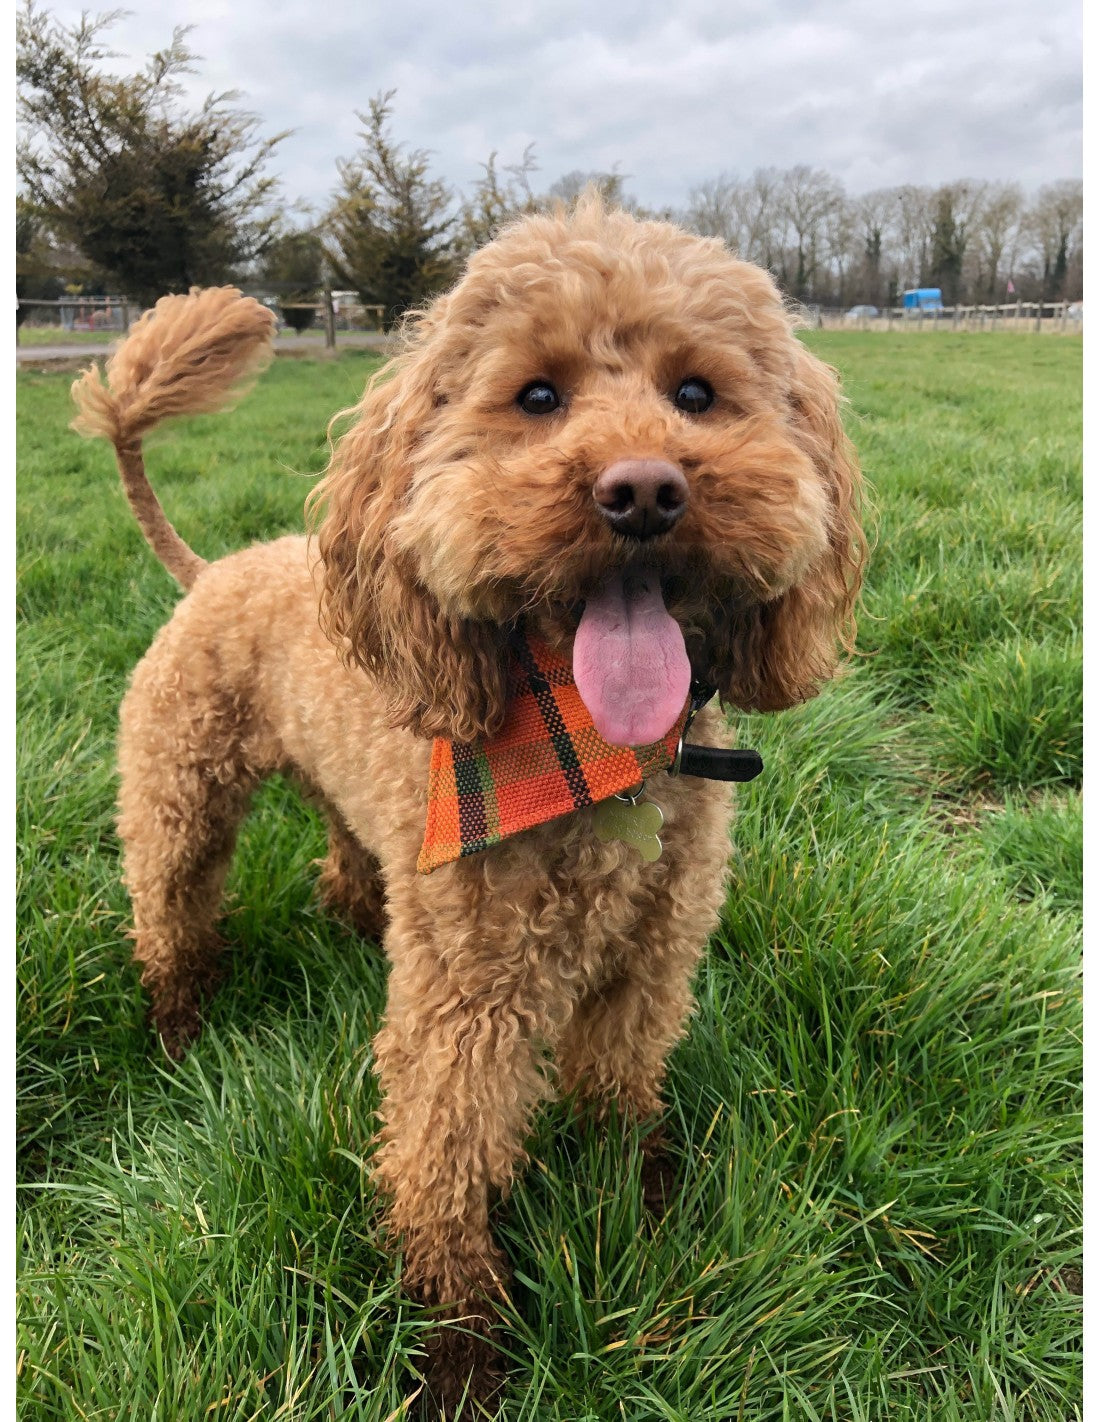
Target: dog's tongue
629,660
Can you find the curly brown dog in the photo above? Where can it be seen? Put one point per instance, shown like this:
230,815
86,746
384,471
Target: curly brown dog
605,440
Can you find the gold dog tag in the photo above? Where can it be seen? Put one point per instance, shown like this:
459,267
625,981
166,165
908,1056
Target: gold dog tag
633,821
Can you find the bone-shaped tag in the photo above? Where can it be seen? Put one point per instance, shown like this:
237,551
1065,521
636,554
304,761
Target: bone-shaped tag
636,824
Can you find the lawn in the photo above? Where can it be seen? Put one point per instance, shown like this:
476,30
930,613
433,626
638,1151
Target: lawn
60,336
875,1114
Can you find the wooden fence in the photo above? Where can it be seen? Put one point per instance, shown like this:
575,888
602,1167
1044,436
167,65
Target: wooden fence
79,313
1058,317
337,311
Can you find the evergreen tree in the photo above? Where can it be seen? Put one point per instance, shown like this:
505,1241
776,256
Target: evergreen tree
156,197
36,275
390,232
293,269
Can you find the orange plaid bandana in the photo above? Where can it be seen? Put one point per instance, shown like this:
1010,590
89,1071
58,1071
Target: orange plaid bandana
548,760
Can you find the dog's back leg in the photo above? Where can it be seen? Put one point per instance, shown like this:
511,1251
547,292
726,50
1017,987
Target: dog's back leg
351,879
189,759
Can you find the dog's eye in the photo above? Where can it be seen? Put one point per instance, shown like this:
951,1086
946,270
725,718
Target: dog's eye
694,396
538,398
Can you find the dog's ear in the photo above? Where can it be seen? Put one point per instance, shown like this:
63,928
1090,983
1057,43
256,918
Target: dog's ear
785,650
442,675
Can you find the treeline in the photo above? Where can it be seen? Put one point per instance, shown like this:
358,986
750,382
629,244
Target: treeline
976,241
123,188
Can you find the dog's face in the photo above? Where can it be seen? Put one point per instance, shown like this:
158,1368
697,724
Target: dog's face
607,424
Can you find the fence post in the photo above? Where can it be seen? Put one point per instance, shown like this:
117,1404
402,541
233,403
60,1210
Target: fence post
1062,326
330,320
1038,315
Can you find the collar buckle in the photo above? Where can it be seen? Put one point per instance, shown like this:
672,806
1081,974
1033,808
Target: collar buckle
712,762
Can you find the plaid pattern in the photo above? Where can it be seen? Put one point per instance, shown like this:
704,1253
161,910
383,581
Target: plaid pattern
548,760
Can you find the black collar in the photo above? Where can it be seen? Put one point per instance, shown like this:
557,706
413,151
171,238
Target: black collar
712,762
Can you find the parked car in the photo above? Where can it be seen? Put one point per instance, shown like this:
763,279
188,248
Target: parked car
861,313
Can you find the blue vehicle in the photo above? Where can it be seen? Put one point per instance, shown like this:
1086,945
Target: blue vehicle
923,299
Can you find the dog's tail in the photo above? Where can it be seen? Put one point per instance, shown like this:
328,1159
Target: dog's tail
189,355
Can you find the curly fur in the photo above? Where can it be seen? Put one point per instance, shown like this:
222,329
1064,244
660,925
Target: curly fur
447,518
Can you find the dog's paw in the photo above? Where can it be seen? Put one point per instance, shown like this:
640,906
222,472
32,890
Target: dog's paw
658,1176
463,1373
177,1028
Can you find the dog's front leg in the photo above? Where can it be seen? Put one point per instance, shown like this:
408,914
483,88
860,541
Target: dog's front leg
459,1065
615,1046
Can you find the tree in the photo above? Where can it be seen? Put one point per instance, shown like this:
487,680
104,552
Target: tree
911,224
714,210
1054,224
807,198
996,232
157,197
842,246
948,244
954,207
293,268
610,186
743,213
762,220
36,274
874,212
389,234
499,197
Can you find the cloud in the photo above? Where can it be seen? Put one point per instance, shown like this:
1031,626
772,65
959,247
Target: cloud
985,89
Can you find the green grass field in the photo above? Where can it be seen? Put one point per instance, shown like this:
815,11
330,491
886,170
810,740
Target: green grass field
875,1115
59,336
46,336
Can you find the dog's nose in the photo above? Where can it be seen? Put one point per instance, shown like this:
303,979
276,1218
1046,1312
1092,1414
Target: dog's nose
641,498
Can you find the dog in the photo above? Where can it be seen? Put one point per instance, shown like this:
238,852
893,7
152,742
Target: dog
602,474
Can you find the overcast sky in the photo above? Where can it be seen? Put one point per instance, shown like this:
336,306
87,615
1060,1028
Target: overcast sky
674,95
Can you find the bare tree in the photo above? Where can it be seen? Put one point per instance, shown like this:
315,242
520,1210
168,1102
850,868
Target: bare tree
912,228
1054,224
874,215
842,248
743,213
762,216
714,210
996,236
610,185
499,197
807,197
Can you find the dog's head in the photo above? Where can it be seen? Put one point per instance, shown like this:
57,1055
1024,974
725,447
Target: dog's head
606,430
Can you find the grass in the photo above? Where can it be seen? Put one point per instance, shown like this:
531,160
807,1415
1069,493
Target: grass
61,336
875,1114
46,336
